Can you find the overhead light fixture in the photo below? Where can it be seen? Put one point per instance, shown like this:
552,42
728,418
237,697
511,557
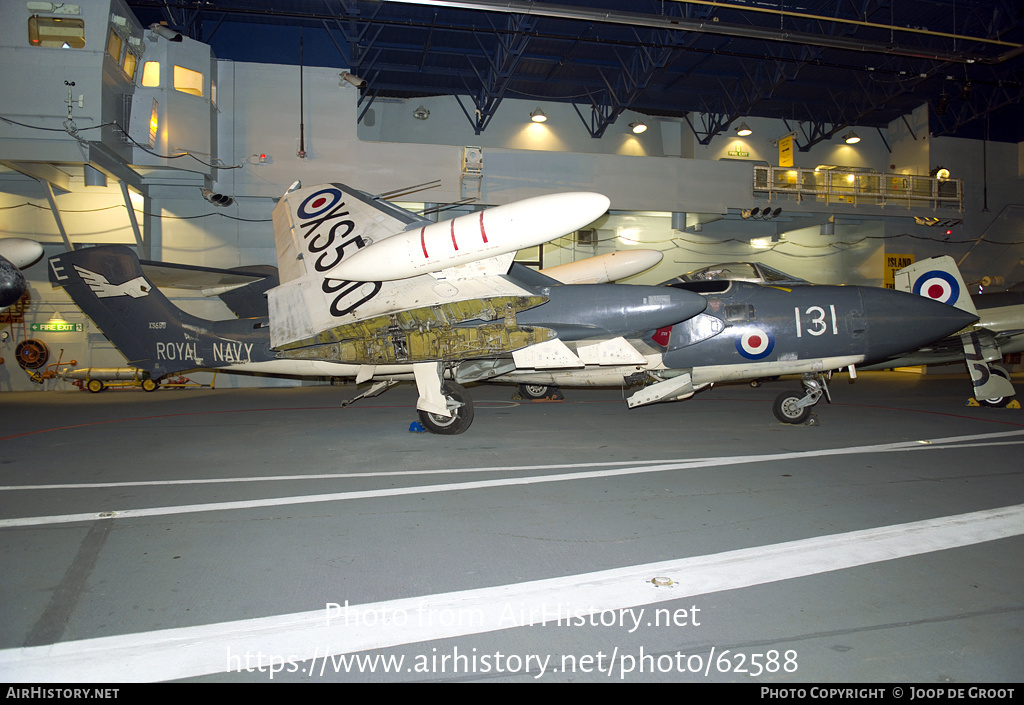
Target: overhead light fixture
421,113
217,199
941,173
637,127
851,137
743,130
352,79
538,116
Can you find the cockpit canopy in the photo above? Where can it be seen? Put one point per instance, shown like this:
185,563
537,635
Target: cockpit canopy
737,271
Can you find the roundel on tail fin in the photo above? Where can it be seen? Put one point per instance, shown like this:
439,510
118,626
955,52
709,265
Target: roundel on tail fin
938,286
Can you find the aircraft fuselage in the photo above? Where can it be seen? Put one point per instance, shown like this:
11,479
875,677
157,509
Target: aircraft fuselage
747,323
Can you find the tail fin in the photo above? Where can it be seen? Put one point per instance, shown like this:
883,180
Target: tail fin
108,284
936,278
315,227
939,278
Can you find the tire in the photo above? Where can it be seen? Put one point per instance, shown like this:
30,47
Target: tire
786,410
95,386
149,385
535,391
997,403
461,418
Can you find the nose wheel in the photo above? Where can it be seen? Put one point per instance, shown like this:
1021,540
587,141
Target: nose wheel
796,407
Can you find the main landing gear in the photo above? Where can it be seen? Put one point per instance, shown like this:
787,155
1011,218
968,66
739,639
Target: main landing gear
796,408
536,392
460,406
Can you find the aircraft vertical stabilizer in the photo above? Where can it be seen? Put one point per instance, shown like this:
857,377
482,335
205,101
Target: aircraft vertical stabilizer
939,278
153,334
936,278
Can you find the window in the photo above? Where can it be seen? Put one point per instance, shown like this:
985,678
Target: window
188,81
154,123
114,44
151,74
58,32
129,64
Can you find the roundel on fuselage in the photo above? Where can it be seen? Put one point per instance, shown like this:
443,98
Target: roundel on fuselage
755,343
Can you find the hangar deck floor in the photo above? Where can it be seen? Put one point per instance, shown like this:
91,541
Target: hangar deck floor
201,534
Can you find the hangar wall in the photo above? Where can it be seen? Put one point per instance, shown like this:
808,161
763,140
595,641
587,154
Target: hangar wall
648,178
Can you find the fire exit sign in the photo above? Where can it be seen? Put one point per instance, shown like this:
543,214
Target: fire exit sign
57,327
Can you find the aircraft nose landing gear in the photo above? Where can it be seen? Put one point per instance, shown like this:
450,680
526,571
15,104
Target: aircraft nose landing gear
795,408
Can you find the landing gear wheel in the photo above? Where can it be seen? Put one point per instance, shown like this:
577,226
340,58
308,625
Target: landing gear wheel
786,409
149,385
535,391
998,402
32,354
95,386
462,413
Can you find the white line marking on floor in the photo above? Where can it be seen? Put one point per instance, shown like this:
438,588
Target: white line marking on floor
698,462
297,638
933,444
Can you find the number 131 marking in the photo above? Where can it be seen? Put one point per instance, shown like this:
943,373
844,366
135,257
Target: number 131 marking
819,323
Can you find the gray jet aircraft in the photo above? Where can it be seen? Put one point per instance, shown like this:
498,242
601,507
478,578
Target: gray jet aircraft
756,330
677,339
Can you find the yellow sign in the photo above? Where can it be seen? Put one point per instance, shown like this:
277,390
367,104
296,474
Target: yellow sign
786,151
893,264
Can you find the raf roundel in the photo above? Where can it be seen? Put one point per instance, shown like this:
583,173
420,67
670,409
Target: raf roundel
319,203
755,344
938,286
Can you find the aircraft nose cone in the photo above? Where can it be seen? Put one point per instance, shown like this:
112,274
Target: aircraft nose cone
900,322
681,306
20,251
12,284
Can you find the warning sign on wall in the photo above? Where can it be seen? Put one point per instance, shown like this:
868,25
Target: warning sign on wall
893,264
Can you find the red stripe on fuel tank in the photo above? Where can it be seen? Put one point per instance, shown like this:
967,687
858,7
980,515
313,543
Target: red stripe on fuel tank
483,233
454,244
423,242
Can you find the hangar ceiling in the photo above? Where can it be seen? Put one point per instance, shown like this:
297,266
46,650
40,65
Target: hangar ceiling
819,65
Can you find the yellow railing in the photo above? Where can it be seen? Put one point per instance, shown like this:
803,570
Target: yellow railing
857,187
